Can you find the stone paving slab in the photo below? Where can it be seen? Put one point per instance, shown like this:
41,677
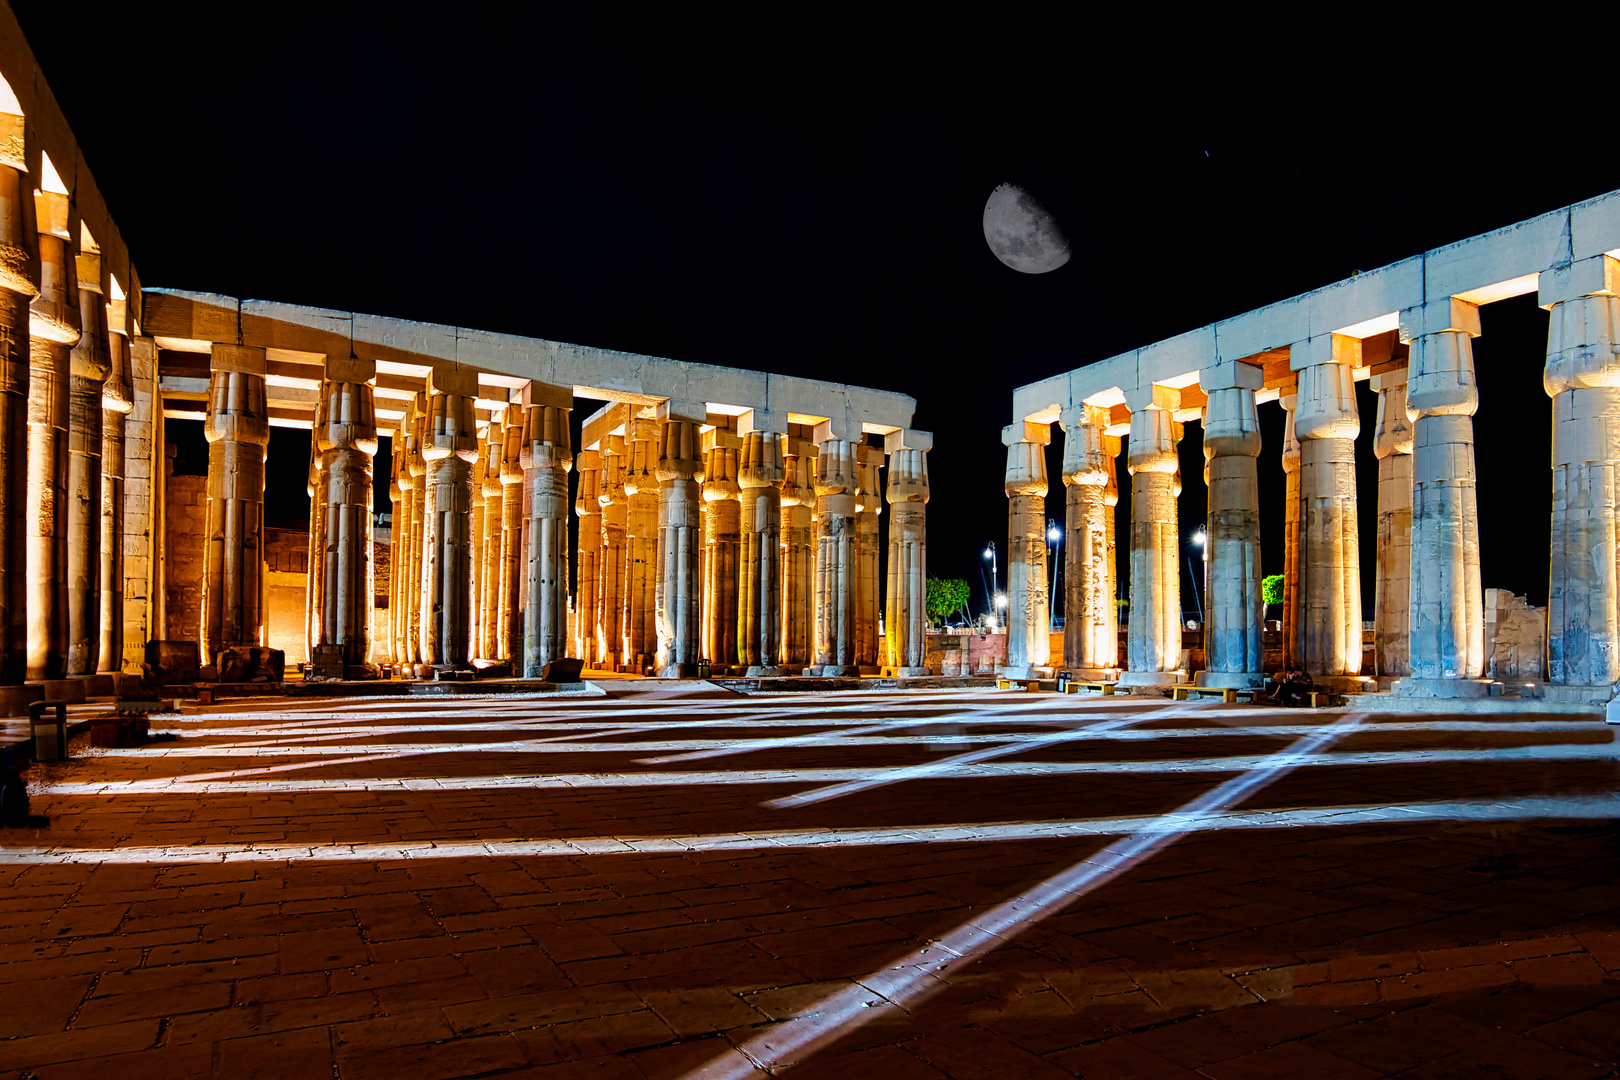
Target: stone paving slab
679,880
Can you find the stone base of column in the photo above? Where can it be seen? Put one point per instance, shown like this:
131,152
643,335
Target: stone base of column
835,671
678,671
912,672
14,700
1575,694
758,672
1445,688
1093,674
68,690
1026,671
452,672
1231,680
355,672
1152,678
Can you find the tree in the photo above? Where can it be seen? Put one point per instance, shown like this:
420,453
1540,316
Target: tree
1272,589
944,597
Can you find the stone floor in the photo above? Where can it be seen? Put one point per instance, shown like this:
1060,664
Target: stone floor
687,882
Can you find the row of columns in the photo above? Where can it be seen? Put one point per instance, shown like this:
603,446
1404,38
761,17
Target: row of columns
1428,613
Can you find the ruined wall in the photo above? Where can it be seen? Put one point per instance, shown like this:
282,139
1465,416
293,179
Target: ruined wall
185,523
1515,637
286,565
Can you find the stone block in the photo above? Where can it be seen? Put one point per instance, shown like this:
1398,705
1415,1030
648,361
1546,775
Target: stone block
173,662
563,670
252,664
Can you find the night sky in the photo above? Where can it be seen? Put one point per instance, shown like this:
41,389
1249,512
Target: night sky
805,198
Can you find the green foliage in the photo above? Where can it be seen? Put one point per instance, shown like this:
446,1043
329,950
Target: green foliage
1272,589
944,597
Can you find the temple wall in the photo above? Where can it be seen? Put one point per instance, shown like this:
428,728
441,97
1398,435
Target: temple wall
185,520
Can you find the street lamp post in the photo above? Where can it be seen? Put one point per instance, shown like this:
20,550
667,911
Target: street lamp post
1054,551
992,593
1199,541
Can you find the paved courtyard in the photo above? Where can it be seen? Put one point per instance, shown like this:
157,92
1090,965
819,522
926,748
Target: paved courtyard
681,881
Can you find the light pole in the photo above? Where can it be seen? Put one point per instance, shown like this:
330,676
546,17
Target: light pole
991,593
1054,551
1199,539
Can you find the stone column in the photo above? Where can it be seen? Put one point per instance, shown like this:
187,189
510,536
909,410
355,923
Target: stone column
1028,615
19,284
587,597
1582,377
143,508
835,557
237,426
1091,621
680,541
116,402
489,555
415,488
399,526
477,579
91,360
1446,617
53,331
868,591
641,537
1292,653
315,548
347,438
798,554
547,457
1153,641
449,447
1234,602
905,619
759,578
1393,445
1326,423
509,592
615,502
722,545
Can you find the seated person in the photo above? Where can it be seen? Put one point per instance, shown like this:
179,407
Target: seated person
1292,689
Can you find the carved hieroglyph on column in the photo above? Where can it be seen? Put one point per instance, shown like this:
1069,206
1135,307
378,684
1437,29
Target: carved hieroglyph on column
1028,616
449,447
641,538
615,525
1091,623
1235,600
722,545
1290,604
1393,445
509,606
798,554
547,457
53,331
19,284
348,441
116,401
759,578
1446,617
90,361
868,507
489,640
1582,377
588,583
237,426
905,617
1153,639
835,558
1326,424
680,540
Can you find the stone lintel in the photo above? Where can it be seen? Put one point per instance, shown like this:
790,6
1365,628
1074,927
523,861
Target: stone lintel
1153,396
720,439
1026,431
908,439
453,379
832,428
867,454
1388,380
552,397
246,359
1231,376
348,369
795,447
1324,349
1600,274
693,412
1438,316
762,420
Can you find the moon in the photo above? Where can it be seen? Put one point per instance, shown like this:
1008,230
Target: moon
1021,233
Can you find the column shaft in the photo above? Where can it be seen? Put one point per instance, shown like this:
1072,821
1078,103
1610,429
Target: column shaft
615,519
759,585
91,360
1235,603
348,443
415,488
1293,654
641,539
798,555
399,525
115,406
1393,446
450,445
1326,423
1028,615
237,426
835,558
722,545
868,584
680,545
905,618
509,613
1153,641
546,460
1091,621
19,284
489,553
587,595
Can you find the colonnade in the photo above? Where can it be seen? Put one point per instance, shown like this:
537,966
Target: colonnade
1428,615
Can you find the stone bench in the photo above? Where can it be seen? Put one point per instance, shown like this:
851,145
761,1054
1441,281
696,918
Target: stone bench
1106,689
1197,693
1026,684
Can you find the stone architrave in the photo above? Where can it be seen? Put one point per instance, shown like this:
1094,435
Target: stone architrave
1290,604
905,618
347,437
489,553
53,331
116,402
1446,616
1326,423
1393,446
1028,614
641,540
509,598
1234,603
868,592
237,426
722,547
760,473
798,553
680,539
91,361
1153,640
1091,622
19,284
449,448
546,459
1582,376
615,519
587,593
835,556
